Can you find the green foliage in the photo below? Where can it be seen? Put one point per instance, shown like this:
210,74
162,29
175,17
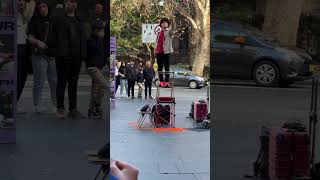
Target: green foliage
127,19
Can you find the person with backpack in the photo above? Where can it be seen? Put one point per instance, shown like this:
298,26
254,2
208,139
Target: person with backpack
148,75
43,65
131,76
68,44
95,62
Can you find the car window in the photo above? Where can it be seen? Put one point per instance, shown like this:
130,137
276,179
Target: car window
227,34
224,34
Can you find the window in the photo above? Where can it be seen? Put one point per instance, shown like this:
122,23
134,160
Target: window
227,34
180,73
224,34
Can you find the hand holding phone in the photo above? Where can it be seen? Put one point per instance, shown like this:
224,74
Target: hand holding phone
123,171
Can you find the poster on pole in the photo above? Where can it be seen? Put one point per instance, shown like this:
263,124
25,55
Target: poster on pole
113,52
8,59
149,32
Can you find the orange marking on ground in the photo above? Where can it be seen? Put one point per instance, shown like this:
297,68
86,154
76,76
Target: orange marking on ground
148,126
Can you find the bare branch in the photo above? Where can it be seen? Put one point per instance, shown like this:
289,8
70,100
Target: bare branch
207,5
200,5
185,14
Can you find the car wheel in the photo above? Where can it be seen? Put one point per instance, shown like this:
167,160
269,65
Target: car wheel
193,84
266,74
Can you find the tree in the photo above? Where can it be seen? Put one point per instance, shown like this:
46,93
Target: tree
127,17
282,20
197,12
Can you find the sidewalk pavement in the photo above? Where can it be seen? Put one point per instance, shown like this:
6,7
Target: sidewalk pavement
50,148
166,155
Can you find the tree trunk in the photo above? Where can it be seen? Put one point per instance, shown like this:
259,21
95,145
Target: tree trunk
282,20
260,7
149,47
307,7
202,48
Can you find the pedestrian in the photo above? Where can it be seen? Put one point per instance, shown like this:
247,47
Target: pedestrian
127,83
123,79
44,66
117,77
22,63
140,80
131,76
164,48
68,44
148,74
97,13
95,62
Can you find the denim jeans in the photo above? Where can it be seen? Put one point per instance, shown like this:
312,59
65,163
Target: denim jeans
123,84
44,67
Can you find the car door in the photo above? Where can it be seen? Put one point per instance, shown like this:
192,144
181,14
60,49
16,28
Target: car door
179,78
227,55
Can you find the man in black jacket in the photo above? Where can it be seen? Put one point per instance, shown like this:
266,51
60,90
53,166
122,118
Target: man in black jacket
131,76
95,62
67,43
148,74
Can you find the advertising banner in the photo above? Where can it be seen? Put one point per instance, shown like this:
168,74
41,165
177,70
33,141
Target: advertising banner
113,52
8,51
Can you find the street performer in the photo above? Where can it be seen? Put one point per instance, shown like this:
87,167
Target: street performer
164,49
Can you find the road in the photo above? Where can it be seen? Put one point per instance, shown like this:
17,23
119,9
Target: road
167,155
239,111
50,148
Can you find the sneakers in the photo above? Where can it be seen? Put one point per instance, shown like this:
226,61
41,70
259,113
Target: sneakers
75,114
61,113
93,115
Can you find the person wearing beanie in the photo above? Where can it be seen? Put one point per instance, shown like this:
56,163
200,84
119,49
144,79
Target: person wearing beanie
95,62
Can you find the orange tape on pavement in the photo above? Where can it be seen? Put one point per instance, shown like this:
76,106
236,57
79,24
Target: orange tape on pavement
175,130
148,126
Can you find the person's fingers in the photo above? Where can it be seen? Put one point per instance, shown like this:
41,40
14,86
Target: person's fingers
114,170
121,165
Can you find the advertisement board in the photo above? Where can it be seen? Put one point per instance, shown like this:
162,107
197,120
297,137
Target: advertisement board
113,52
8,59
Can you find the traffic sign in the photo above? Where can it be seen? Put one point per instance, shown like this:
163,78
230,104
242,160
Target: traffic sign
149,32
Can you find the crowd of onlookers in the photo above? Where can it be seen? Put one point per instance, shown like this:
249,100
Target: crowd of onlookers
55,47
127,76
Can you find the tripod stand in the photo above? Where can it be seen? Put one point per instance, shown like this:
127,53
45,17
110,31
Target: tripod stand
315,168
